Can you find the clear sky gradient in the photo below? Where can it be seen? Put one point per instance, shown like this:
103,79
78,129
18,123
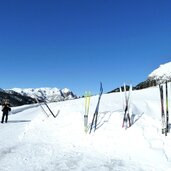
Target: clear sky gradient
78,43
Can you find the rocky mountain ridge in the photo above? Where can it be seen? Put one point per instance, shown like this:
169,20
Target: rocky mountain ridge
47,93
20,96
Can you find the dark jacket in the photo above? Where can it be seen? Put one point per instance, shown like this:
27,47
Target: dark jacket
6,109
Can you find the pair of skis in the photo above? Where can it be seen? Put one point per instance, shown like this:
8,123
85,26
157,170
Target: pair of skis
164,113
126,118
95,116
44,111
87,107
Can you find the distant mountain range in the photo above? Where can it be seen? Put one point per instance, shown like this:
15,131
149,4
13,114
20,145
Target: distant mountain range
48,94
15,99
21,96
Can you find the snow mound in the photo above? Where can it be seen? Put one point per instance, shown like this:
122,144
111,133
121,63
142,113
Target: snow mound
161,73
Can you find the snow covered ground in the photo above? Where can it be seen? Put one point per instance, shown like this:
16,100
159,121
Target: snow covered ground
32,142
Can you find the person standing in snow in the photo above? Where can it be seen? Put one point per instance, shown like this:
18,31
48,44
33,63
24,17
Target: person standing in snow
5,109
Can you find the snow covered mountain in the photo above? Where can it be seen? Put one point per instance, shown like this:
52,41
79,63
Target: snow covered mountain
49,94
162,73
159,75
16,99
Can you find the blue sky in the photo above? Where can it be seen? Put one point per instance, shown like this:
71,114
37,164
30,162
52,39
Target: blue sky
78,43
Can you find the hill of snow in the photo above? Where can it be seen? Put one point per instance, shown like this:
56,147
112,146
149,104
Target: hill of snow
162,73
33,141
50,94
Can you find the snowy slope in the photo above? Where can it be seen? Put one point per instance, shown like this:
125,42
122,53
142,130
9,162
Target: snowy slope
33,142
51,94
162,73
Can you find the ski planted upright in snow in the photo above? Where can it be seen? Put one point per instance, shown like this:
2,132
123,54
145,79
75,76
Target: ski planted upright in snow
162,109
95,116
87,106
126,119
167,111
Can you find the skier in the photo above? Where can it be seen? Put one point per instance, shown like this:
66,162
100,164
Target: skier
5,109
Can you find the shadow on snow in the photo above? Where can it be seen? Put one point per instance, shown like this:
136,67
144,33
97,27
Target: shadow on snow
19,121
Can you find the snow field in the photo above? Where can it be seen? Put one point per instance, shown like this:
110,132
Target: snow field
33,141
